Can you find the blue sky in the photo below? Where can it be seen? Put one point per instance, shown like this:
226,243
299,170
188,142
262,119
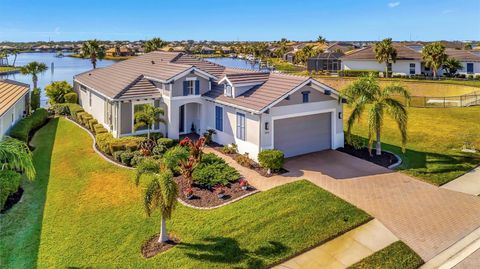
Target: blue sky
33,20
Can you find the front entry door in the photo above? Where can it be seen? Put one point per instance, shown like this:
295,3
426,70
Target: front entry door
181,124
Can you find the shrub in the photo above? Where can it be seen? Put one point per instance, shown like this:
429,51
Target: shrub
116,145
174,156
22,129
56,91
91,122
137,158
166,142
159,150
230,149
85,118
244,160
59,109
35,99
209,135
74,110
101,130
356,142
210,175
126,157
117,155
357,73
71,97
211,158
103,142
9,183
271,159
470,76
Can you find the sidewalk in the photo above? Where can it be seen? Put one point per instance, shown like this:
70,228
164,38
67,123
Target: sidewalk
468,183
344,250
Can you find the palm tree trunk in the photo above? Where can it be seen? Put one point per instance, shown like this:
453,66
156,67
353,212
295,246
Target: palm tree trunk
378,148
14,60
386,70
163,232
34,79
148,132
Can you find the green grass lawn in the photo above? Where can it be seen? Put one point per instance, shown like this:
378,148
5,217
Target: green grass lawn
395,256
436,136
7,68
85,212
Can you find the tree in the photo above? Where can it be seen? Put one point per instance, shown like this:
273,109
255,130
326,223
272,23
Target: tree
33,69
386,53
434,56
16,156
147,117
321,40
467,46
161,193
35,99
56,91
366,94
306,52
15,53
93,50
3,56
154,44
451,66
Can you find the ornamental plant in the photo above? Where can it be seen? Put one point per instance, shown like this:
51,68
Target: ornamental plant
271,159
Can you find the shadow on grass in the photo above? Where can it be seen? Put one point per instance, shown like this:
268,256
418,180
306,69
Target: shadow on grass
22,225
228,251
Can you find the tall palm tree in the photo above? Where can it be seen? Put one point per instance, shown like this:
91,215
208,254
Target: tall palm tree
365,94
154,44
434,56
147,117
161,193
33,69
385,53
321,40
93,50
15,155
15,53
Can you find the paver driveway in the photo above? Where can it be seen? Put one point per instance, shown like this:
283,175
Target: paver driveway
427,218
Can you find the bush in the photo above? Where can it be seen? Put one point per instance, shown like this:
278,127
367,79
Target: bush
22,129
470,76
356,142
357,73
117,155
159,150
126,157
85,118
230,149
271,159
59,109
211,158
35,99
174,156
137,158
71,97
210,175
166,142
56,91
9,183
74,110
92,122
244,160
103,142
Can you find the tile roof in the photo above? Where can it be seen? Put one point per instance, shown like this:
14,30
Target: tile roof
140,88
462,55
368,53
10,92
247,78
209,67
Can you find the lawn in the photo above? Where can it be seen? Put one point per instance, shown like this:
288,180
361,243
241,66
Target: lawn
395,256
93,217
436,136
7,68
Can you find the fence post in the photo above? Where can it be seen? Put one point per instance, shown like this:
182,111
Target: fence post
444,101
424,101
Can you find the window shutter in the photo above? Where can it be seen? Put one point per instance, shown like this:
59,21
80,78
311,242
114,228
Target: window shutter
185,88
197,87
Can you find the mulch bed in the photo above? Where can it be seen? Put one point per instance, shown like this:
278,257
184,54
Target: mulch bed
12,199
204,197
385,160
152,247
253,165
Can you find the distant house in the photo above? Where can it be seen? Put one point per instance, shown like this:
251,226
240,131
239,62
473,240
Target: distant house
119,52
409,61
254,110
289,56
340,47
14,103
327,61
207,50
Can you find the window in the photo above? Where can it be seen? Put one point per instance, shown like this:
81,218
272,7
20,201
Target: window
266,126
305,96
228,90
219,118
469,68
241,126
412,69
191,87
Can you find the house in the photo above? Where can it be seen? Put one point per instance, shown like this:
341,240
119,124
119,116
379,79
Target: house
255,110
14,103
119,52
340,47
327,61
409,61
207,50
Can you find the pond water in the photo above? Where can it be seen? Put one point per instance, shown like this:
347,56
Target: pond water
65,68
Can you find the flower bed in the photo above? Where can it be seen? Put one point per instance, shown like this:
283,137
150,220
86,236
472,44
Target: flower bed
385,160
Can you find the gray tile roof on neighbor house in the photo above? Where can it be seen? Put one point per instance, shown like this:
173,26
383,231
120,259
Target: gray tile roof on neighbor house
10,92
463,55
368,53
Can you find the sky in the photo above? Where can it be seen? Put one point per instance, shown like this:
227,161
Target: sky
231,20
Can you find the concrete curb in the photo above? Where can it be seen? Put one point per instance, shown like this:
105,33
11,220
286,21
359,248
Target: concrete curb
397,164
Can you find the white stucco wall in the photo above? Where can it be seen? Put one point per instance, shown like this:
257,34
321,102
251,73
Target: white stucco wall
11,116
399,67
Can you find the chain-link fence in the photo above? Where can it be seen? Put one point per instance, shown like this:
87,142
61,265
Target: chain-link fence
465,100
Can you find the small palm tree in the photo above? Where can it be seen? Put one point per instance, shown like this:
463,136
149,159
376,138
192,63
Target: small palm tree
33,69
154,44
93,50
451,66
321,40
15,155
366,94
148,117
385,53
161,193
434,56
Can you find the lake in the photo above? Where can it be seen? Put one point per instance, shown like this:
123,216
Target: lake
66,67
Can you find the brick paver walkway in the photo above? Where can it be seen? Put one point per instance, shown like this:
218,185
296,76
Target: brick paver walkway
427,218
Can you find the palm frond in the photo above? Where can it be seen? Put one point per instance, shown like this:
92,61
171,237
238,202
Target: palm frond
147,166
15,155
398,112
375,121
151,196
161,193
354,116
396,89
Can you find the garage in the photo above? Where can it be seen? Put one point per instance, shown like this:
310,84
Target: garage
304,134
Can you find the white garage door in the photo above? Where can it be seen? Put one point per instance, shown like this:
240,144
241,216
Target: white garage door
304,134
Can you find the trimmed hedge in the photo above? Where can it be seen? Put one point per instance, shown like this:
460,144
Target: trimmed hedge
22,129
9,183
91,123
108,144
357,73
74,109
213,170
71,97
271,159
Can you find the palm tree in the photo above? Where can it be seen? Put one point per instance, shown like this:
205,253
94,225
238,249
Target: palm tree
161,193
93,50
3,57
434,56
15,53
15,155
366,94
385,53
321,40
33,68
154,44
147,117
451,66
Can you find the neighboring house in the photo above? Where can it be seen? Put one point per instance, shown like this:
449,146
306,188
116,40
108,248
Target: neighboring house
119,52
341,47
14,102
409,61
327,61
207,50
289,56
255,110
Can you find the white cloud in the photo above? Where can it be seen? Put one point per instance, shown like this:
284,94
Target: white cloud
393,4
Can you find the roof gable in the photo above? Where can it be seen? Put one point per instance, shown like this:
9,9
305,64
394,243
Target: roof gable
10,92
